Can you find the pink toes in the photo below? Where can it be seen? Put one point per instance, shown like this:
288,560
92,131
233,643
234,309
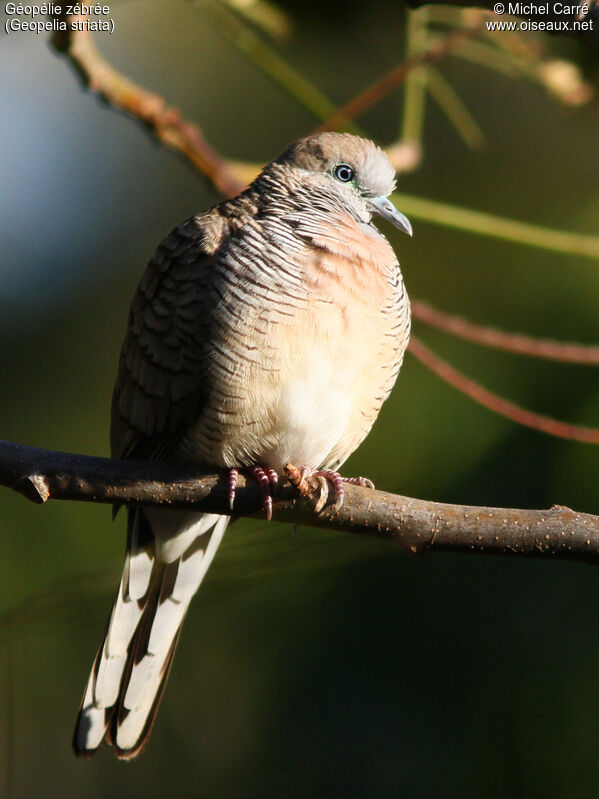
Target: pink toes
233,475
299,476
336,481
359,481
268,479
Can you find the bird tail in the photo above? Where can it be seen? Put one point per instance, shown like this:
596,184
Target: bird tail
168,554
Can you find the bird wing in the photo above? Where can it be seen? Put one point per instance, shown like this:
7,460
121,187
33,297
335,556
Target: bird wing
160,386
158,393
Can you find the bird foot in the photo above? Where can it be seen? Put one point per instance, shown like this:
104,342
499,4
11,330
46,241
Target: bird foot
299,478
359,481
267,478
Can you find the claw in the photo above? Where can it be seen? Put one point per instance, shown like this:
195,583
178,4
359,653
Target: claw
298,478
323,494
336,481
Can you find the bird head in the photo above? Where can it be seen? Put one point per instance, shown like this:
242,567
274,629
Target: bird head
354,169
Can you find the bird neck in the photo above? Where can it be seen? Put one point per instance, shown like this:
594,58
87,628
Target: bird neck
290,189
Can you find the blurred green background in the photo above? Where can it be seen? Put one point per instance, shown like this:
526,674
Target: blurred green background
312,664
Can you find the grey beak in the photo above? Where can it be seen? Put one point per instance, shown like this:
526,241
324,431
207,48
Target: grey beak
385,208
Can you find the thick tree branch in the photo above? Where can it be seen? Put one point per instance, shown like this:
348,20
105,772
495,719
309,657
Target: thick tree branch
416,525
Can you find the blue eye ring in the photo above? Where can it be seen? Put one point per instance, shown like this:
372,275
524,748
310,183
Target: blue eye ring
344,173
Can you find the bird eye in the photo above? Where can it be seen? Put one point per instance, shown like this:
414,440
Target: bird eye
344,173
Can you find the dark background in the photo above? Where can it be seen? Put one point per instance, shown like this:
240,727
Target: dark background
312,664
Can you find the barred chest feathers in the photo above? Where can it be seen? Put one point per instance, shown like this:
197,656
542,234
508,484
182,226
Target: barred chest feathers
306,344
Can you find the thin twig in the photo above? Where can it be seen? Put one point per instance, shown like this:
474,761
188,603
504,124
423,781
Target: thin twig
396,76
416,525
498,227
267,59
587,354
414,96
586,435
455,109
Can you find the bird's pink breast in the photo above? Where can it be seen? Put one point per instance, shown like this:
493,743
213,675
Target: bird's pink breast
306,384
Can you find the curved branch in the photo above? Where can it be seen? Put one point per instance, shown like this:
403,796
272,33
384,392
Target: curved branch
518,343
395,77
472,389
166,122
416,525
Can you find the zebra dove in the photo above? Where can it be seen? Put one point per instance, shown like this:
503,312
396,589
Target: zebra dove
266,331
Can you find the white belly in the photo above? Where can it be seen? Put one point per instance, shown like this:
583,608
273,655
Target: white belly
312,416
